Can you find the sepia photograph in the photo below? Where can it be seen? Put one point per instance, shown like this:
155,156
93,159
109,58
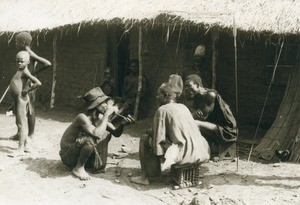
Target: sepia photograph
150,102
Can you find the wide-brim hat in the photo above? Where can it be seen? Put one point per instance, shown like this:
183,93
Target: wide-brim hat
95,97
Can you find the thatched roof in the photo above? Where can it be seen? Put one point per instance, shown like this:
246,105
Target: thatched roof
274,16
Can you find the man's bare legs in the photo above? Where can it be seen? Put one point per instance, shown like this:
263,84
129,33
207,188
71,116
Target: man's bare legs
85,153
31,123
150,163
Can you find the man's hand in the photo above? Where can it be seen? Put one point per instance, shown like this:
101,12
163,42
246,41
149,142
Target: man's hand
24,93
111,109
199,114
128,120
149,131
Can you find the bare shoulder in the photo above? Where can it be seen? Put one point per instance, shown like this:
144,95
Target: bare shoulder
81,116
26,72
210,97
82,119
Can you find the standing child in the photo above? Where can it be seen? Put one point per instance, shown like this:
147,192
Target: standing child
19,93
23,42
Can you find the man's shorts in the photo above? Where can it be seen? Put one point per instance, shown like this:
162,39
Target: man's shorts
70,156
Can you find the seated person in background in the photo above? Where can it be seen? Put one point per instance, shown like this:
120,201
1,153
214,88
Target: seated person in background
130,89
108,86
176,139
79,141
212,114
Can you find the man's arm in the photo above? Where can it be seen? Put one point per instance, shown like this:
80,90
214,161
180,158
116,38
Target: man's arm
97,131
37,58
35,82
208,107
159,132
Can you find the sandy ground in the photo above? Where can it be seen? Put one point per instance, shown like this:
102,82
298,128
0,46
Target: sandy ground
41,178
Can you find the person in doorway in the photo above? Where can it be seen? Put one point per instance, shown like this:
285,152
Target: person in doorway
108,85
175,138
211,112
201,65
130,89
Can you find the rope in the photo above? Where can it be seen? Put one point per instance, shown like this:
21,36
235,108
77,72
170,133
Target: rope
263,109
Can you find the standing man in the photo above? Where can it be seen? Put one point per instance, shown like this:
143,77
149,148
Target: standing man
201,65
212,114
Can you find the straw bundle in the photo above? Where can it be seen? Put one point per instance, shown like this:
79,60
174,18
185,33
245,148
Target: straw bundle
276,16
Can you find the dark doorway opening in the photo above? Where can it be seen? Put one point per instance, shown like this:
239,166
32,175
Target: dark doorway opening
123,58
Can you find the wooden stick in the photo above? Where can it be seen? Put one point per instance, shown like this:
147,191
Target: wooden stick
236,87
140,79
54,44
265,102
215,39
4,94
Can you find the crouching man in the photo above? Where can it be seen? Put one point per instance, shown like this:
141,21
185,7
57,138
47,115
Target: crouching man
78,144
175,139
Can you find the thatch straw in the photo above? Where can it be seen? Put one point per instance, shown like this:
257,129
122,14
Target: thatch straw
275,16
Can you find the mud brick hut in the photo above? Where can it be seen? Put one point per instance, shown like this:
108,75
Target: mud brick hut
252,47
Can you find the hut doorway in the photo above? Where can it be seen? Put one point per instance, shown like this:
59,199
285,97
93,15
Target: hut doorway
123,58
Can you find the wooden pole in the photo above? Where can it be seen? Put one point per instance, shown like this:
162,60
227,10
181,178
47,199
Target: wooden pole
4,93
215,41
236,87
265,102
140,78
54,46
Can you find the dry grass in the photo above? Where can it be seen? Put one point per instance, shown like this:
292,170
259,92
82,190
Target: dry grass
276,16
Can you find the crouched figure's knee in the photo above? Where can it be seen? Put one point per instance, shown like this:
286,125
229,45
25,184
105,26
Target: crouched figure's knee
84,140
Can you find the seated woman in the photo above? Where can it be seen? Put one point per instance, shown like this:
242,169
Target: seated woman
175,138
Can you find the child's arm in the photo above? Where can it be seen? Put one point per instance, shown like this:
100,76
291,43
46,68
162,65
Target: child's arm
39,59
34,80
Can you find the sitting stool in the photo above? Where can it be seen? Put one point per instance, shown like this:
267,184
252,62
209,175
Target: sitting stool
227,150
186,175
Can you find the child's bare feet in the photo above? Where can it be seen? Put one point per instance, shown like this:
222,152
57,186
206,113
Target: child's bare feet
31,136
27,147
81,173
140,180
17,153
15,137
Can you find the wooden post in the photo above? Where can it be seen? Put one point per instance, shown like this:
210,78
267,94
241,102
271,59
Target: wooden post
215,43
54,46
112,35
140,79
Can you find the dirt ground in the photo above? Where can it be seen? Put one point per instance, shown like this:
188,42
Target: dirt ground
41,178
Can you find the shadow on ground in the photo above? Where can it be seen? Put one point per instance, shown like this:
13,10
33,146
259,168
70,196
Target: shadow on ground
47,168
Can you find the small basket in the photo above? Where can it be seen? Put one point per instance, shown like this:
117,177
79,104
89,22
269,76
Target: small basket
186,175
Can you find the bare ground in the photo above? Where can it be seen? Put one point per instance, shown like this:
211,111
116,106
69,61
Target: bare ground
41,178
